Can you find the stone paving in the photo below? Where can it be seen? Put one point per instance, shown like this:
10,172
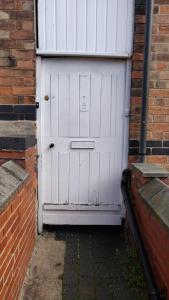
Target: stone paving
91,268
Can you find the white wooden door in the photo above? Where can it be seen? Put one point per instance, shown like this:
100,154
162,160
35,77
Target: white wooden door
82,132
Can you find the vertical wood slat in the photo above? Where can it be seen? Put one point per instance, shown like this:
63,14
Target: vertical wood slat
104,184
64,104
71,25
81,25
95,109
63,178
91,26
121,25
55,177
94,171
113,110
84,178
61,25
74,125
101,26
105,109
111,26
42,24
54,105
84,102
74,178
50,24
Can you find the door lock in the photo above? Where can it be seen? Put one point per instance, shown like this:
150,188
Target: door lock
51,145
46,98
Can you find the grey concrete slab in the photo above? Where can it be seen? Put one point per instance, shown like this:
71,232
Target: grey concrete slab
159,203
151,170
17,128
12,177
151,188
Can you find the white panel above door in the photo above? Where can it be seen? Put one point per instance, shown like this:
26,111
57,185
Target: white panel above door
85,27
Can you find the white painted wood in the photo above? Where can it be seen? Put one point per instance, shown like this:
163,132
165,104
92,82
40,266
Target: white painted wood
111,26
95,105
63,186
61,26
101,34
85,27
82,145
81,218
106,96
50,24
84,178
74,178
80,91
55,105
91,26
64,105
81,25
76,207
74,106
94,175
116,54
84,105
71,25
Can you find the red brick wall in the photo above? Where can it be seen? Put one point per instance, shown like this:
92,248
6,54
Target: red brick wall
154,234
17,51
158,105
17,233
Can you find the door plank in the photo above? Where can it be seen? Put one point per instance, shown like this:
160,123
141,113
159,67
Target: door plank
63,178
105,105
95,110
94,178
64,105
84,105
74,106
74,178
84,178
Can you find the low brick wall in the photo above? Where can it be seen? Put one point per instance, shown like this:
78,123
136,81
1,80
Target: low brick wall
17,223
150,196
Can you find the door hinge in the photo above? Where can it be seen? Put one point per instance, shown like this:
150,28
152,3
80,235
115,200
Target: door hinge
37,104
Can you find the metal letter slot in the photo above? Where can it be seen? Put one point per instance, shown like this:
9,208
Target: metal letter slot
82,145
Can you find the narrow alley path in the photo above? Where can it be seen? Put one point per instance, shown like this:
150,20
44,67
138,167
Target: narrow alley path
91,268
80,263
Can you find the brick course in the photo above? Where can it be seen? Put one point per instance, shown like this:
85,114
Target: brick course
17,229
158,120
17,52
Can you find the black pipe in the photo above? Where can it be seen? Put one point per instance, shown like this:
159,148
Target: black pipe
154,293
146,73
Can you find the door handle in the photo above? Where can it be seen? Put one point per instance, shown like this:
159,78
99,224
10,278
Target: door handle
51,145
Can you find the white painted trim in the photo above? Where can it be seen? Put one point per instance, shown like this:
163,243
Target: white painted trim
53,217
39,142
40,52
126,121
72,207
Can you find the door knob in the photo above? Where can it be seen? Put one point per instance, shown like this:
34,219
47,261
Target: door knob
46,98
51,145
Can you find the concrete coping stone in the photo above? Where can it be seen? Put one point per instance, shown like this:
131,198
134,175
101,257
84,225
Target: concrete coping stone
17,135
12,176
150,170
155,194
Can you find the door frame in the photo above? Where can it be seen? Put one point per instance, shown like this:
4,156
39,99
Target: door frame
39,133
